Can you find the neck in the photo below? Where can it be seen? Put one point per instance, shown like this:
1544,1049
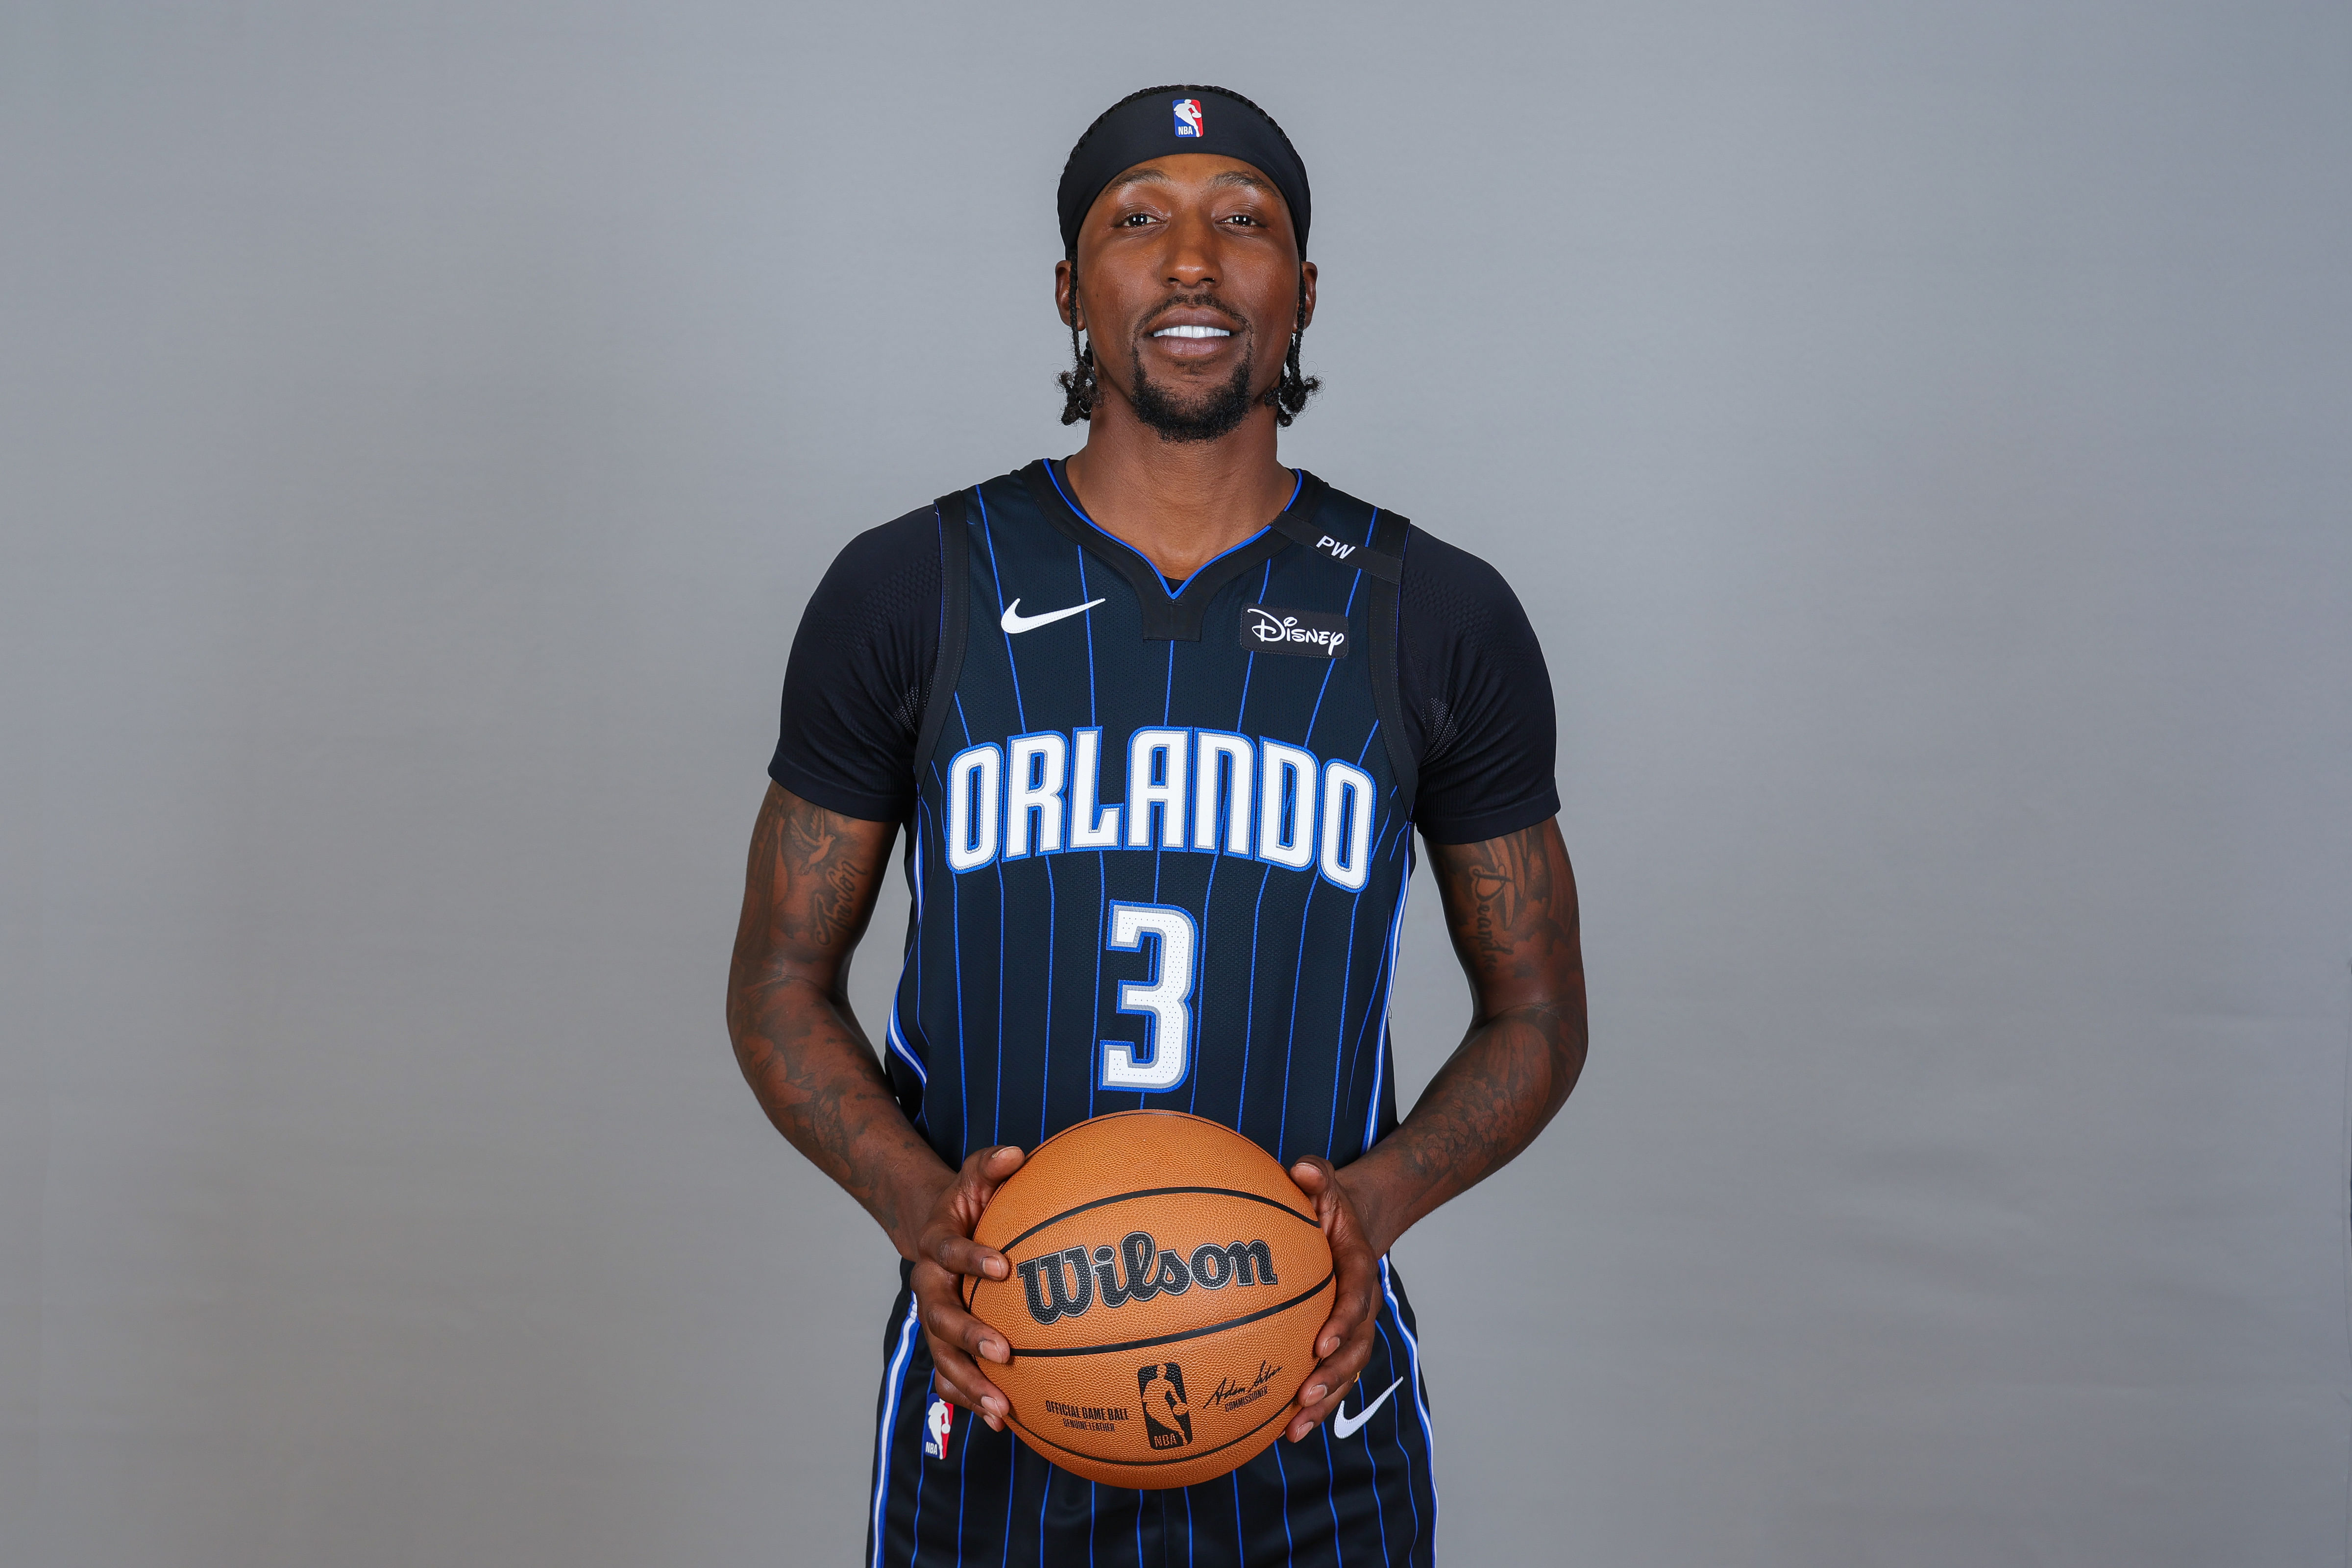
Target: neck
1179,503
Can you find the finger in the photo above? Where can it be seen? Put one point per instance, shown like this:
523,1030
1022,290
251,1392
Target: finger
985,1170
966,1386
967,1198
1351,1305
962,1255
943,1319
1329,1383
1319,1181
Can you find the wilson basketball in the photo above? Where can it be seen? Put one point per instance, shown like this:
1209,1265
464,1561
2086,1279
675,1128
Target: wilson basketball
1167,1281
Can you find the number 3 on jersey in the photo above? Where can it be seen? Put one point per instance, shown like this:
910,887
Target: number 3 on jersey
1164,1000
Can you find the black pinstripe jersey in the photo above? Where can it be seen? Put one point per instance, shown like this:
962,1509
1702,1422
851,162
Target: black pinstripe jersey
1161,835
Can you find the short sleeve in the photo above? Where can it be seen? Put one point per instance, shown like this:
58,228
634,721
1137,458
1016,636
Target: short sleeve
860,672
1476,697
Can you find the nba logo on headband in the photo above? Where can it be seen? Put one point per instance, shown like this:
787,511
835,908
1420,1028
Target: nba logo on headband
1187,117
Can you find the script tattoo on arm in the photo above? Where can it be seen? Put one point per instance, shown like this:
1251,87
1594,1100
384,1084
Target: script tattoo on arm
1510,905
808,892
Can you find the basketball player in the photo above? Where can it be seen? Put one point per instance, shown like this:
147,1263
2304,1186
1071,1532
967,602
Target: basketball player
1160,721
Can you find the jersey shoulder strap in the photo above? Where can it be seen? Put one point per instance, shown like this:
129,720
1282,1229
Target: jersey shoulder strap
1390,531
1300,526
1379,554
955,613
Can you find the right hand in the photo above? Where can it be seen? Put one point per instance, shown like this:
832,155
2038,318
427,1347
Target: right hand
945,1253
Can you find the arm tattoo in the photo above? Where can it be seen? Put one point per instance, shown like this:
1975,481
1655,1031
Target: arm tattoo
1510,904
1502,901
836,891
808,892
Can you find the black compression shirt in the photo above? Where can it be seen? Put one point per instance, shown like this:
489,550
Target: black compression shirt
1476,694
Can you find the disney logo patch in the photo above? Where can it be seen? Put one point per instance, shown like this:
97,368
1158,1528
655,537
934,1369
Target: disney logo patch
1308,634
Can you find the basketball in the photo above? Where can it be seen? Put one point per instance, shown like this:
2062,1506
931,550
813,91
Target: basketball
1168,1280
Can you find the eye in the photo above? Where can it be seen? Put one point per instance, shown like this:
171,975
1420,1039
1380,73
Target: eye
1134,220
1243,217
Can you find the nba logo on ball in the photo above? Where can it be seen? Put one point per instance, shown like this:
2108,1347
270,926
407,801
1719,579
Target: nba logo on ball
1187,117
1167,1416
937,1423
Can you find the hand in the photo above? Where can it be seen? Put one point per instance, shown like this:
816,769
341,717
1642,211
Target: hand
1345,1343
944,1255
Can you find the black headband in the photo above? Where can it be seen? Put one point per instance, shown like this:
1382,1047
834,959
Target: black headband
1163,120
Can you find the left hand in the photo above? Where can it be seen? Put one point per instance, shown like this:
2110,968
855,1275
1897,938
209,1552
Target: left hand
1345,1343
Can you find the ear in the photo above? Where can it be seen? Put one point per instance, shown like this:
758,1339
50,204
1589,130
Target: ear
1066,295
1305,295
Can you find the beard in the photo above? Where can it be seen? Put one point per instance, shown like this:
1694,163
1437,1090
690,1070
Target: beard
1220,412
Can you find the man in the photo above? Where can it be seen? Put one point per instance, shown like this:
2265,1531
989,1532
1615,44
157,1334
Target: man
1159,760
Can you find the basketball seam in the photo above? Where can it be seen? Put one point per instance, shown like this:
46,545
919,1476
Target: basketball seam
1275,1204
1187,1333
1149,1464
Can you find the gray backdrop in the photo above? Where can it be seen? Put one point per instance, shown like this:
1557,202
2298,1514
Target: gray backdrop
1918,434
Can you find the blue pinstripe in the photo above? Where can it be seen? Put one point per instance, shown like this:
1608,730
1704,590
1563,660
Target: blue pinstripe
1289,1547
963,1058
1350,1063
1329,1500
890,1425
1217,858
996,1114
1045,1068
1380,1041
963,1462
1299,970
1102,871
922,1471
898,1044
1012,1483
1347,973
1394,1414
1413,1354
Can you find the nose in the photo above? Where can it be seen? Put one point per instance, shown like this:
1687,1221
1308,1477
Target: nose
1191,252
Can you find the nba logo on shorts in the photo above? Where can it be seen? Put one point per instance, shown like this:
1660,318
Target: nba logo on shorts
937,1423
1187,117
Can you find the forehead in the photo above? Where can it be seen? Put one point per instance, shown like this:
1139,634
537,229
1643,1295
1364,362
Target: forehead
1190,174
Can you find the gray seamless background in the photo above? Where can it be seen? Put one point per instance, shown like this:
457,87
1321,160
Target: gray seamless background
1918,434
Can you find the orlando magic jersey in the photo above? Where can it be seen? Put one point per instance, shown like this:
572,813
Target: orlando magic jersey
1158,852
1161,831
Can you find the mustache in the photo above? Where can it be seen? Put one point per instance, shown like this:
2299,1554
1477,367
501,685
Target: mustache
1210,302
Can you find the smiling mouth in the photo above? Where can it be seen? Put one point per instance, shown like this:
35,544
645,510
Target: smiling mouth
1190,331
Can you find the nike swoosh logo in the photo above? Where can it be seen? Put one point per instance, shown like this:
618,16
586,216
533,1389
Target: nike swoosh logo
1015,621
1345,1426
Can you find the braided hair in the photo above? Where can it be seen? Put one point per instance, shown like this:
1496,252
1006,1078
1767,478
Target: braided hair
1078,385
1081,389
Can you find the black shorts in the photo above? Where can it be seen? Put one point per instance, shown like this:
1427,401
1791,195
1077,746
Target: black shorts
983,1496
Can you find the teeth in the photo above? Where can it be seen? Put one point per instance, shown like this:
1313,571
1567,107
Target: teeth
1191,333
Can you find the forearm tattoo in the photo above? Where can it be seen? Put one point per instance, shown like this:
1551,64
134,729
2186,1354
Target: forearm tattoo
808,892
1510,903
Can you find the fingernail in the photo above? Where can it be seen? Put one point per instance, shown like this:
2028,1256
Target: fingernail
995,1406
1314,1394
993,1424
992,1266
